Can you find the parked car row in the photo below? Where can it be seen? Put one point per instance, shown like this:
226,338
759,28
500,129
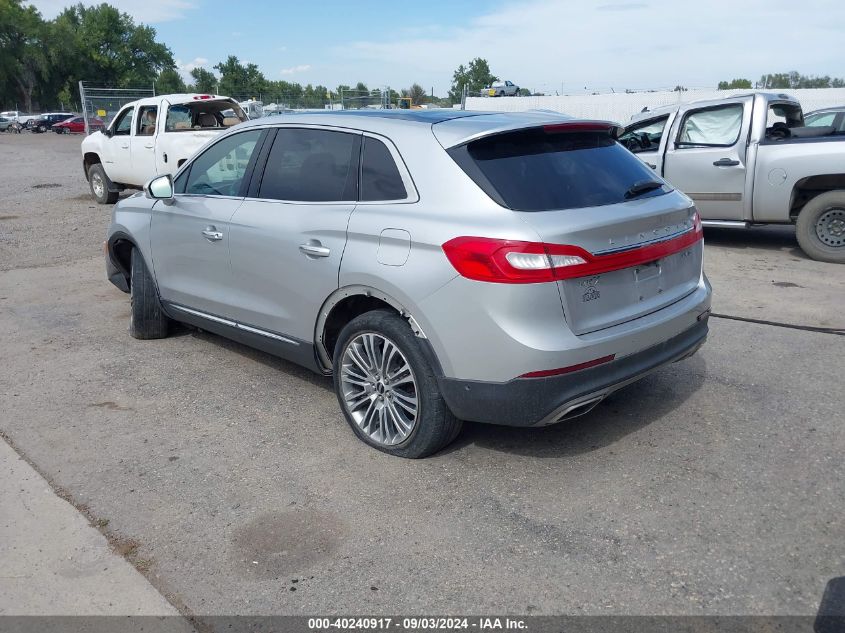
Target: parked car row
59,122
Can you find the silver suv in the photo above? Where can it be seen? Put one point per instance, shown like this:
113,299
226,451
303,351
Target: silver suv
441,265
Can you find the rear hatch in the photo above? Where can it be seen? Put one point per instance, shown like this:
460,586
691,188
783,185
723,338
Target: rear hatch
620,242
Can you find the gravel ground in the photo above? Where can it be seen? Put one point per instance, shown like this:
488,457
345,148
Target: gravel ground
714,486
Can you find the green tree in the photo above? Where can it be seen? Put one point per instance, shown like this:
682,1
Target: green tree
24,61
741,84
204,81
796,80
237,80
100,44
169,81
417,94
475,76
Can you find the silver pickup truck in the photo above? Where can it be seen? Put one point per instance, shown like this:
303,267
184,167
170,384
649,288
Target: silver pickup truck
749,160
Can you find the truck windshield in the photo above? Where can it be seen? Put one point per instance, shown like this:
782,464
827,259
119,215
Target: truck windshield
203,114
537,170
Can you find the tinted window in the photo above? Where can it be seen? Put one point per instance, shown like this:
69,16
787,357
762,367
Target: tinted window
534,170
220,170
380,178
123,125
644,137
311,166
713,126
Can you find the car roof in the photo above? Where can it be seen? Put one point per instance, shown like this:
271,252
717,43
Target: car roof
180,98
830,109
668,109
450,126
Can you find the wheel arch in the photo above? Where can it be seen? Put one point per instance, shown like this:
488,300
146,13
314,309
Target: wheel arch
808,188
345,304
88,160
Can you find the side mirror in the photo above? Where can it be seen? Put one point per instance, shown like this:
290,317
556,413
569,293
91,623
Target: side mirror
160,188
108,132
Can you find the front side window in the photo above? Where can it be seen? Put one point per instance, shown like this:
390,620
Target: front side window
822,119
221,169
717,127
645,136
123,123
380,178
308,165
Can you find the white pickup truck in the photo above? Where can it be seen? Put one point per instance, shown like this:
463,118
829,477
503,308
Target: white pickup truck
152,137
748,160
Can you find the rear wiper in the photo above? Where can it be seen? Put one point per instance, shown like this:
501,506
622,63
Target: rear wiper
641,187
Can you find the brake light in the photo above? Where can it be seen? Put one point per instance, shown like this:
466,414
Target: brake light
517,262
201,97
580,126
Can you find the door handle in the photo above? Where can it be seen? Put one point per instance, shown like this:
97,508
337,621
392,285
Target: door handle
314,250
212,234
726,162
149,146
124,147
652,166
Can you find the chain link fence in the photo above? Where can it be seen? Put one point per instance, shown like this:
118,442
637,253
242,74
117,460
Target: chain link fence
102,103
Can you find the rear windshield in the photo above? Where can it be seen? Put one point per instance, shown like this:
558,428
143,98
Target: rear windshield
539,170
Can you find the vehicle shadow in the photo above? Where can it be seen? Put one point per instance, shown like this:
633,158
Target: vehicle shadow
620,414
770,238
273,362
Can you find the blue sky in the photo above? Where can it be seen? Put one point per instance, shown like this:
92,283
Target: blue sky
545,45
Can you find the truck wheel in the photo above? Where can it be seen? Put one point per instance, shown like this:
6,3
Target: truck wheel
821,227
146,319
100,185
387,390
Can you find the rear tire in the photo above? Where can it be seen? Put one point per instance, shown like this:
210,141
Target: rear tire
146,318
101,186
820,228
382,390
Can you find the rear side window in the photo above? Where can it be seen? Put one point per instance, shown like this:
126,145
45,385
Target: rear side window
380,178
536,170
311,166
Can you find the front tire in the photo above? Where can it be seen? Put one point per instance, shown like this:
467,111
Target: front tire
387,390
820,228
101,185
146,318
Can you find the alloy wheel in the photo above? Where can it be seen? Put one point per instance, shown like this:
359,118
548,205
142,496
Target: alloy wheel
379,389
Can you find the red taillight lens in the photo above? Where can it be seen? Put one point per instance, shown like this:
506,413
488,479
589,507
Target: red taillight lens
516,262
201,97
502,261
545,373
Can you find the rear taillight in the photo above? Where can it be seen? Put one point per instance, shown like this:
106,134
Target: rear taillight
516,262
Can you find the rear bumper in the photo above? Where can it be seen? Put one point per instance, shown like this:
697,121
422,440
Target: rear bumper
542,401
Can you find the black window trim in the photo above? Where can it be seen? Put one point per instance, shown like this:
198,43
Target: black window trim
679,144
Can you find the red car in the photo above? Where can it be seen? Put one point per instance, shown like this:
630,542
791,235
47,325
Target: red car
77,125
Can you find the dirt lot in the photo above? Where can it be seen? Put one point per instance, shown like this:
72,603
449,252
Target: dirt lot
715,486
